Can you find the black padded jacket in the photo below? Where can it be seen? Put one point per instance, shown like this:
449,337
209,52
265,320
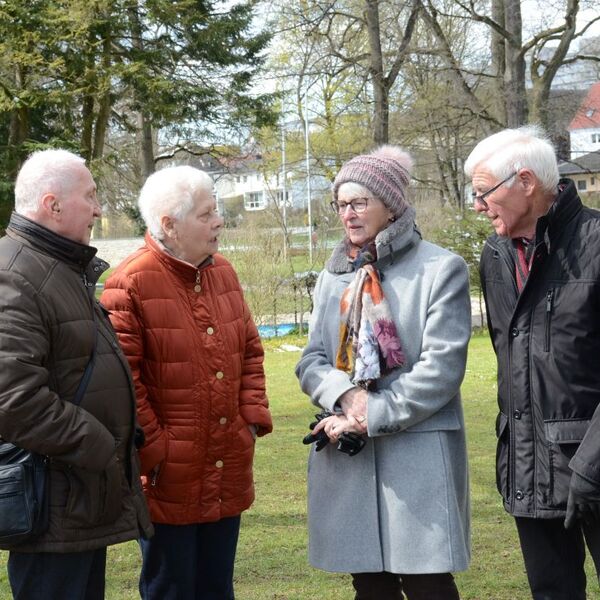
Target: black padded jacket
547,343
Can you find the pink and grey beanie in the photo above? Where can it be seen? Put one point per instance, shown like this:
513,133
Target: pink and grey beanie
385,172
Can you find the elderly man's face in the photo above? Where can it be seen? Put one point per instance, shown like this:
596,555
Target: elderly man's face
78,207
197,234
508,208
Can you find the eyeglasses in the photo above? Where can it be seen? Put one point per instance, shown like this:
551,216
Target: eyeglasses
358,205
481,197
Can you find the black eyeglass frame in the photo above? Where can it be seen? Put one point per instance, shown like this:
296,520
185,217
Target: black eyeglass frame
340,210
481,197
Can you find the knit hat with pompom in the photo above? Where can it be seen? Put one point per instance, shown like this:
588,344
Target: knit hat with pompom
385,172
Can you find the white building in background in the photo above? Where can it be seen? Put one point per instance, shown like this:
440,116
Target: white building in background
243,178
584,129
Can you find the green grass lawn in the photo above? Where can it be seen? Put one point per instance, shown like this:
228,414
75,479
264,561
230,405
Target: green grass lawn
271,560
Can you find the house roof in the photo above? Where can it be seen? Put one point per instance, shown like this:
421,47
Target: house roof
587,163
588,115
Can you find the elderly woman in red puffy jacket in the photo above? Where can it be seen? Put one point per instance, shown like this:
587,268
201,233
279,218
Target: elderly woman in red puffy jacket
197,363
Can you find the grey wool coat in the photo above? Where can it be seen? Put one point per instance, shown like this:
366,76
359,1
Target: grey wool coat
401,505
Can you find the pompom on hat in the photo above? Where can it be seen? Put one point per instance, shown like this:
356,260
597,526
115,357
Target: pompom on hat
385,172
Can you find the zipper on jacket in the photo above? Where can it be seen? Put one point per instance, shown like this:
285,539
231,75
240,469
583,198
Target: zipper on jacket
548,319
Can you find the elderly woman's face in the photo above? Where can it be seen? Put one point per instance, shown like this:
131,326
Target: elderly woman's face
196,235
361,227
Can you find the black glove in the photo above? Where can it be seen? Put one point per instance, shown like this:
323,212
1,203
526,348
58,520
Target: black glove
583,502
348,443
321,439
351,443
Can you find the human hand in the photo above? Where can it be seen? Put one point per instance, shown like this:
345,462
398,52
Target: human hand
340,429
354,406
583,502
333,426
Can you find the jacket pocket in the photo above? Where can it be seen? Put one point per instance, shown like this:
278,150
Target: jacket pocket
502,449
563,437
443,420
94,498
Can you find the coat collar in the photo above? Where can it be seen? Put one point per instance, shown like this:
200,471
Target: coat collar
184,269
79,256
391,243
566,206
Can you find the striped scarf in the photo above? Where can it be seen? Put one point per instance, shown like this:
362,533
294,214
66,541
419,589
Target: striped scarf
369,343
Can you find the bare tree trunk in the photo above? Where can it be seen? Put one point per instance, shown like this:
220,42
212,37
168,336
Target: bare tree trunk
146,146
498,60
18,128
144,124
87,127
105,102
380,89
514,79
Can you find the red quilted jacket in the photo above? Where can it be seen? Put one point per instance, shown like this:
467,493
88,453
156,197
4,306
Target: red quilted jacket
197,363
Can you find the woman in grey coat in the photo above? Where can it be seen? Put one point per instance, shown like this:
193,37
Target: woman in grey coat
386,356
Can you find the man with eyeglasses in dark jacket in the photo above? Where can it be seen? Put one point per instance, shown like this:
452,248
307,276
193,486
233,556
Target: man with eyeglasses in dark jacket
540,275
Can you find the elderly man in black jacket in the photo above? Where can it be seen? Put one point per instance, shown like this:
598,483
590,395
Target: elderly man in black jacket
49,325
540,274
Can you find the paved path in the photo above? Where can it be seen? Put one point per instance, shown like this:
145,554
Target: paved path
114,251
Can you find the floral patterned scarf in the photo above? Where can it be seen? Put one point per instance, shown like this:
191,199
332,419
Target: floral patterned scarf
369,343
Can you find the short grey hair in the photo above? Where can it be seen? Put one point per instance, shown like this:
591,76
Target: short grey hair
45,171
513,149
170,192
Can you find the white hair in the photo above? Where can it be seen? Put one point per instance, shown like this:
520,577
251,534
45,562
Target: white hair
170,192
355,189
45,171
513,149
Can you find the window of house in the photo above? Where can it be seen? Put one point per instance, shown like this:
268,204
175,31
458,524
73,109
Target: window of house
595,138
245,178
593,181
253,201
280,197
581,185
237,179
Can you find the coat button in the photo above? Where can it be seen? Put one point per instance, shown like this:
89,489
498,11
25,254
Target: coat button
219,464
223,420
514,332
517,414
219,375
210,330
519,495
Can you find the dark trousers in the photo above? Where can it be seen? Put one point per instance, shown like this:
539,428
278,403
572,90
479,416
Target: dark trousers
54,576
554,557
190,562
390,586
